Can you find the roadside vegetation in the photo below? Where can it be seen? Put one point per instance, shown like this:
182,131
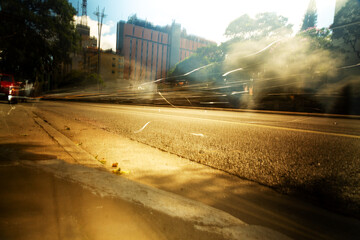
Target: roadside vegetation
306,71
81,79
36,39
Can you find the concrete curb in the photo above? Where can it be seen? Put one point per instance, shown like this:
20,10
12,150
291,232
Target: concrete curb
76,152
203,217
88,174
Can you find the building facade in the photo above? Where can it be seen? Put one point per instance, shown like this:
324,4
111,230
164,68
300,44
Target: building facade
111,64
86,59
149,52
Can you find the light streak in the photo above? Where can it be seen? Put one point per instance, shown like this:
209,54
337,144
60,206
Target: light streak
263,48
235,70
12,108
141,129
166,100
198,134
351,66
188,101
196,69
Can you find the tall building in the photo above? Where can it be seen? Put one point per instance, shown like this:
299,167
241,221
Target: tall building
85,39
150,51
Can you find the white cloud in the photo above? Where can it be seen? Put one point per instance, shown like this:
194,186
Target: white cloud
108,39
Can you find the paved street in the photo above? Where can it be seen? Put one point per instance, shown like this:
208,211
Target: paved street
52,189
287,152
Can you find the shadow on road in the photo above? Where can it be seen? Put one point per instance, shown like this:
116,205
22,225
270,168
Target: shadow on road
23,151
243,200
34,204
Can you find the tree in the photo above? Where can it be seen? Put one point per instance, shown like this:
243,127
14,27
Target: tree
133,19
346,26
212,53
36,36
193,62
264,26
320,38
202,57
310,18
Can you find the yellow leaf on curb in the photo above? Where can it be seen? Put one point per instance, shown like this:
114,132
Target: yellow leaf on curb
119,172
103,161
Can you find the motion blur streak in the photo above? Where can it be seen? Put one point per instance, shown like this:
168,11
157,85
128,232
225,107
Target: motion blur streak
198,134
141,129
11,108
166,100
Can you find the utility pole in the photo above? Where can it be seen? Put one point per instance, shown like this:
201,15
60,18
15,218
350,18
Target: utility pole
84,13
100,17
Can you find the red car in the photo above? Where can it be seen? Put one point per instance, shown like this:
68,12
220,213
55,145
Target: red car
9,89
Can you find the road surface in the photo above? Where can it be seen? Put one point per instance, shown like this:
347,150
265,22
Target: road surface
50,188
298,154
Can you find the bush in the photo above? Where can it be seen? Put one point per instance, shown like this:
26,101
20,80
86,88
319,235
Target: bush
80,79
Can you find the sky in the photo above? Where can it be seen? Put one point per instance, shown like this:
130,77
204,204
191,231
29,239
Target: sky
203,18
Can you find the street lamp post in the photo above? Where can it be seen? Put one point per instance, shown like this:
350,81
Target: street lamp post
100,17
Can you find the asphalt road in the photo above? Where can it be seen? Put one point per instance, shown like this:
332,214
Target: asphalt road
50,188
292,153
309,156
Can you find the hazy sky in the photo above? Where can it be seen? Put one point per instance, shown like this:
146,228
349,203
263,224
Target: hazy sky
204,18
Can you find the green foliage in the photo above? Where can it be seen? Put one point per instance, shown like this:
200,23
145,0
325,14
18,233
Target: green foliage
189,64
212,53
78,78
36,36
310,18
133,19
320,38
94,78
264,26
346,25
202,57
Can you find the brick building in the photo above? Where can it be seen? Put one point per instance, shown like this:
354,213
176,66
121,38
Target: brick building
150,51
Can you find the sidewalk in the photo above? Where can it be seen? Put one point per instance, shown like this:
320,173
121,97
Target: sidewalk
50,189
36,205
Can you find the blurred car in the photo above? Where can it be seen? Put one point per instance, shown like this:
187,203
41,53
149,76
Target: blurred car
9,89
